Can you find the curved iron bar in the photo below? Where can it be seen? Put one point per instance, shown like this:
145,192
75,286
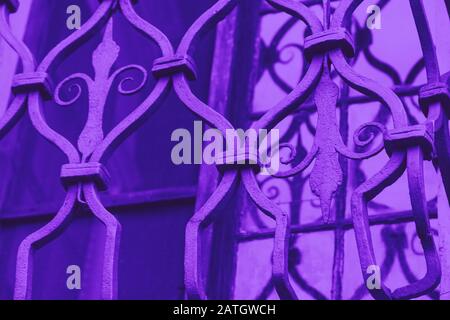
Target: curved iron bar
148,106
297,184
434,108
275,54
24,263
409,275
327,175
193,268
23,285
193,273
364,39
295,258
17,107
412,157
111,241
93,153
89,152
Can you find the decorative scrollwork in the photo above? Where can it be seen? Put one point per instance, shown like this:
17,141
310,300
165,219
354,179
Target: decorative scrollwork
73,87
364,142
327,53
82,179
122,82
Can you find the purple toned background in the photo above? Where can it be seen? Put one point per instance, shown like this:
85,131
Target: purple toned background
245,67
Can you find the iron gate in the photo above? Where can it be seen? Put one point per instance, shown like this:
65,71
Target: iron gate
330,47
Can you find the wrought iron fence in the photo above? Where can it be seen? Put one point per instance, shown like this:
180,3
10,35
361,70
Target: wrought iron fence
330,47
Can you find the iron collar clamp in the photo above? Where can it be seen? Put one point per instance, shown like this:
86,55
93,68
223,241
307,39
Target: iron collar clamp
325,41
24,82
403,138
168,66
74,173
432,93
13,5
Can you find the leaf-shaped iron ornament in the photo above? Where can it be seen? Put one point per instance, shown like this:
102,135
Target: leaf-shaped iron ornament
203,217
407,146
84,175
326,175
103,59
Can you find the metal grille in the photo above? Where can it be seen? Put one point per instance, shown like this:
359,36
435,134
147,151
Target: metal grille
330,47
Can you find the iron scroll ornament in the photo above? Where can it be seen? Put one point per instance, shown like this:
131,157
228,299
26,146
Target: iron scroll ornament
84,176
17,107
434,97
407,146
204,216
434,128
